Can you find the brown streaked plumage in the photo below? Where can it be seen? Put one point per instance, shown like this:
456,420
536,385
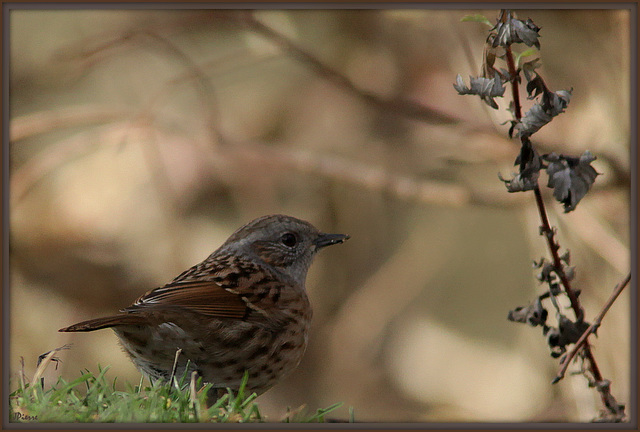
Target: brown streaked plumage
243,308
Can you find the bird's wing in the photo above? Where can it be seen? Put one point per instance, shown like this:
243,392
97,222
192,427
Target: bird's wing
223,287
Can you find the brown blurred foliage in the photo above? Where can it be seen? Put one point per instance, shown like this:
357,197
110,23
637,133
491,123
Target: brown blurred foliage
141,139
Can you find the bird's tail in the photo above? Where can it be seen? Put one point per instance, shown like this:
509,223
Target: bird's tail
105,322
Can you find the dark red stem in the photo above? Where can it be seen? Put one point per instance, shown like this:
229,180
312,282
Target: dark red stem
549,235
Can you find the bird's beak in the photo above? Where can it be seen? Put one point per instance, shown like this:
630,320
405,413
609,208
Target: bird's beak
329,239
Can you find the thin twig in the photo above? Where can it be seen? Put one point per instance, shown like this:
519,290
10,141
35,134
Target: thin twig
81,116
23,376
398,105
592,328
193,395
513,75
554,247
175,367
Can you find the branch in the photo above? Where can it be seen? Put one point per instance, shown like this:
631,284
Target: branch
592,329
554,247
545,229
603,386
398,105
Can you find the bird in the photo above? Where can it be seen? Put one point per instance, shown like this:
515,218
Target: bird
243,310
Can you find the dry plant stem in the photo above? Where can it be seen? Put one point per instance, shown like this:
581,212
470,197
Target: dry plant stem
546,227
592,328
515,89
549,235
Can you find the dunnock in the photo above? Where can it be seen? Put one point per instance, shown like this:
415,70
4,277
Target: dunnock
244,308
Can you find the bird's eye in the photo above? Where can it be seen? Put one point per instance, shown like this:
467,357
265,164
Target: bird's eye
289,239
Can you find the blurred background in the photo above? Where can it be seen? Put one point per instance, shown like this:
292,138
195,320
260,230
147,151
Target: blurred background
141,139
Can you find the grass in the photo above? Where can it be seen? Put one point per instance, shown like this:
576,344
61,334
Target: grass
93,398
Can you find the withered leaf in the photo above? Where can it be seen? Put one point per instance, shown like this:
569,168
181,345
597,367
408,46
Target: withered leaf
534,314
513,30
486,88
528,68
530,165
570,177
542,112
571,331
